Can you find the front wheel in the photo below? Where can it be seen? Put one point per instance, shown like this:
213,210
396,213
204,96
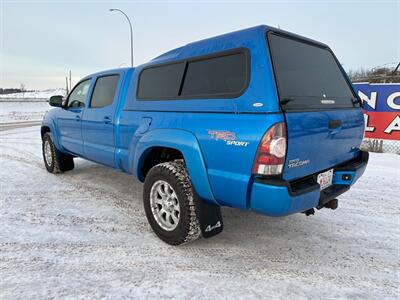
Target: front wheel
170,203
54,160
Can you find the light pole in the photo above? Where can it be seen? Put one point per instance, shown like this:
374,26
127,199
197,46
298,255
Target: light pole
130,26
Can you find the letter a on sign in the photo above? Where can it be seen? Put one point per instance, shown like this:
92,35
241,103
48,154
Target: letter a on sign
394,125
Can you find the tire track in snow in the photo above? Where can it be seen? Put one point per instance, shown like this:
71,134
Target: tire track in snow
252,255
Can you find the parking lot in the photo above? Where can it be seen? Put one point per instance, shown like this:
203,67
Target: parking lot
83,234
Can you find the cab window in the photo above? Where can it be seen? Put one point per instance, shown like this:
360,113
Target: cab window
104,91
78,95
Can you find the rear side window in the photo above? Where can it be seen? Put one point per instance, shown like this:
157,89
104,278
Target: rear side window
225,75
104,91
222,75
161,82
308,76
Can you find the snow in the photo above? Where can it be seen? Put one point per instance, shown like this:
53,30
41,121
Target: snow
46,94
13,111
84,234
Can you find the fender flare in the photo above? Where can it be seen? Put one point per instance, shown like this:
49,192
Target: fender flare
188,145
54,132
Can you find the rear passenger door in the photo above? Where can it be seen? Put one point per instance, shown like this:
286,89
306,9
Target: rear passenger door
99,119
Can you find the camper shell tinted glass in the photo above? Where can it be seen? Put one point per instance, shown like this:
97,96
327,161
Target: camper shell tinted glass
308,76
161,82
222,75
218,75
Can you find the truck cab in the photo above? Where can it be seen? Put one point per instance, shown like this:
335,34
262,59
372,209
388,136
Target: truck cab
259,119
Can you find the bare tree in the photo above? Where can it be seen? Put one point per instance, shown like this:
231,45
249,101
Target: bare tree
22,87
381,74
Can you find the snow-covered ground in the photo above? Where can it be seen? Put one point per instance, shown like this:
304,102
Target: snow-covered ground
83,234
28,106
12,111
46,94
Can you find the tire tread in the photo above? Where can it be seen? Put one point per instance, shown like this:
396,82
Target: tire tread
177,169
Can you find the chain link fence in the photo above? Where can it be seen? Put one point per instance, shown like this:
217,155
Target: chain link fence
381,146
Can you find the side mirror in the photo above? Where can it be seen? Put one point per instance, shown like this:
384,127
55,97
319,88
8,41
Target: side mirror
56,101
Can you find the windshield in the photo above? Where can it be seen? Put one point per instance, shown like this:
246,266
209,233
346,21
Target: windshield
308,76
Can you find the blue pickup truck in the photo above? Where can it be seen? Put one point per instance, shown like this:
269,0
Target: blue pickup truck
258,119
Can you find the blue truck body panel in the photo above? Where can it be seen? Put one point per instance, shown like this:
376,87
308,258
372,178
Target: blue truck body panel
276,201
187,144
121,135
306,131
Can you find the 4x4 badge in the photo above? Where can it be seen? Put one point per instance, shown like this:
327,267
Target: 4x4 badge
209,227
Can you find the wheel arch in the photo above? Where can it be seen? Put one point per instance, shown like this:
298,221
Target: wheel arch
156,155
49,127
43,130
177,143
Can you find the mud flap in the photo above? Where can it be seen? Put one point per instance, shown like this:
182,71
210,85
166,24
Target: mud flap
210,219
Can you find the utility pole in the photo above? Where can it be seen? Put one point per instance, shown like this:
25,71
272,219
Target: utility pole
70,80
66,85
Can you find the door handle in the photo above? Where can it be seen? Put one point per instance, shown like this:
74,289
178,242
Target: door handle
107,120
77,118
333,124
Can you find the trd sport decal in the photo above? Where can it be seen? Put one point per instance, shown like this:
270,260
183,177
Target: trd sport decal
228,137
222,135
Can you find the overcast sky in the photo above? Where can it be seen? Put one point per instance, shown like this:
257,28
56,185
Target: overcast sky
42,40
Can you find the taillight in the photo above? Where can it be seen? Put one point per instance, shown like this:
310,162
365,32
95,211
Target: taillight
271,151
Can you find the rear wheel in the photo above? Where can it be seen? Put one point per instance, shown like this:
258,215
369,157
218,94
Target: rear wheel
54,160
170,203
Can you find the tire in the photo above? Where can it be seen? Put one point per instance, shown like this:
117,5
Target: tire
54,160
176,193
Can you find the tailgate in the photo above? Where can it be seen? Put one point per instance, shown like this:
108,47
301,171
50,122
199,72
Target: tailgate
313,146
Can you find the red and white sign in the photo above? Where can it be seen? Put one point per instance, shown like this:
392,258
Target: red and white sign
381,103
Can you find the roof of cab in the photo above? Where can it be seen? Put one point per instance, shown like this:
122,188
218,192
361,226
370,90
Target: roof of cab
109,71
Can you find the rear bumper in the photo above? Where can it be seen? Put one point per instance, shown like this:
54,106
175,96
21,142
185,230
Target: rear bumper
275,197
